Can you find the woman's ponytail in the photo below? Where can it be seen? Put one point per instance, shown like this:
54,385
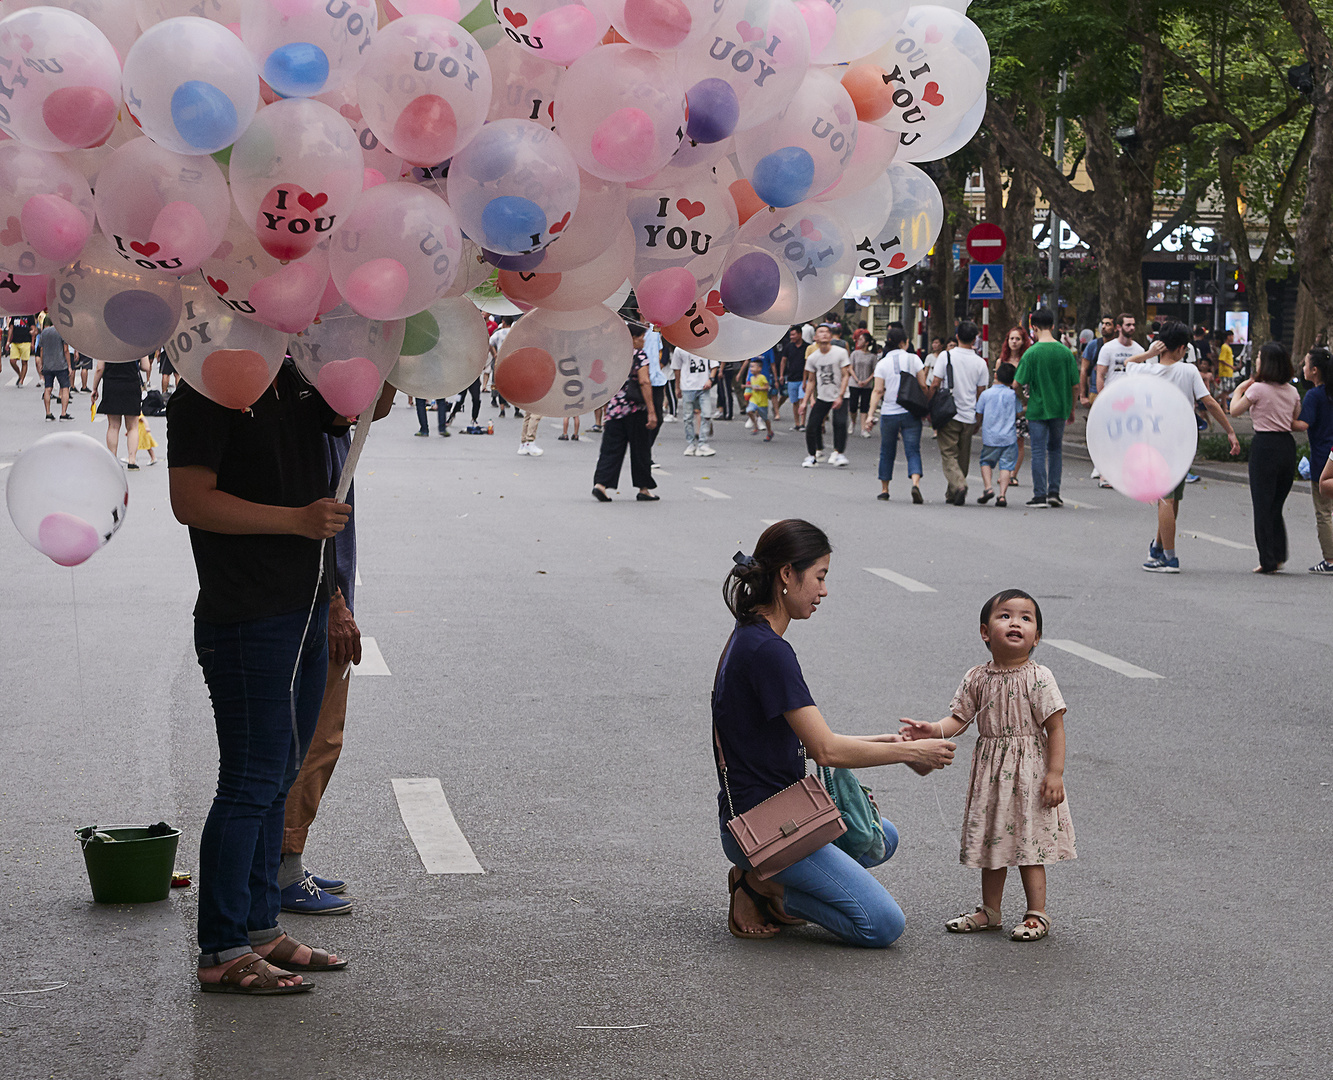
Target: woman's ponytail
750,585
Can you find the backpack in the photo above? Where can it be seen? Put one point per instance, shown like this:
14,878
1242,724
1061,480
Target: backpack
153,404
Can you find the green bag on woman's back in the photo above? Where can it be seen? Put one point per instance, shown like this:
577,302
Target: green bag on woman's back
865,834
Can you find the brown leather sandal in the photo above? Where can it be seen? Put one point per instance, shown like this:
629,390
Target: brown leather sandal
736,880
285,949
266,979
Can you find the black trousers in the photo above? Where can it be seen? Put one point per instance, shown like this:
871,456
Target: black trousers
814,437
1272,469
726,402
475,391
670,389
859,397
626,432
659,394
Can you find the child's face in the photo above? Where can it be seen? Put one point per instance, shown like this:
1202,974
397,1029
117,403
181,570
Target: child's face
756,368
1011,633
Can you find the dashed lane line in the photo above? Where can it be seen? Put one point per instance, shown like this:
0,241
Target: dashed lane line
1114,663
1217,540
712,493
439,841
910,584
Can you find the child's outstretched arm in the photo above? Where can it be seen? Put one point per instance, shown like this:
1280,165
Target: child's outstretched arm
940,729
1053,787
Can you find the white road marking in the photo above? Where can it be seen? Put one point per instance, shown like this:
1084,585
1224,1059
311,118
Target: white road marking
358,578
910,584
430,823
372,660
5,464
1217,540
770,521
711,493
608,1027
1121,667
1082,506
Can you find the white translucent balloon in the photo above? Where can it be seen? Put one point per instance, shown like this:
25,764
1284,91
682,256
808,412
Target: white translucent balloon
381,163
228,358
740,339
660,25
191,85
444,350
523,86
67,496
815,249
151,12
65,78
862,26
346,357
912,147
597,219
913,224
46,209
473,270
582,287
559,31
115,18
305,47
1142,435
564,363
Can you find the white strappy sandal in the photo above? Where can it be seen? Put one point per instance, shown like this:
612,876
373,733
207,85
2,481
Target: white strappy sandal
970,924
1024,932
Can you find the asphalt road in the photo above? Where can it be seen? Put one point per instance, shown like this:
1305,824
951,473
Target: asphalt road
551,659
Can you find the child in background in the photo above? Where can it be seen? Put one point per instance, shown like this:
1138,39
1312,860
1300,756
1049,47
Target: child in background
756,393
146,440
1205,367
997,409
564,430
1016,814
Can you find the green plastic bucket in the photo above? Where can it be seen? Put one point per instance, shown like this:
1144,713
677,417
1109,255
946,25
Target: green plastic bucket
130,868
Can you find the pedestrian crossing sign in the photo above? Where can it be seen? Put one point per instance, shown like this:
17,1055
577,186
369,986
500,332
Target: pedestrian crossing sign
985,282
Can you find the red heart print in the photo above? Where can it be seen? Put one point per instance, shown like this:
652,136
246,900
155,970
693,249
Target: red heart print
597,373
13,233
932,35
350,112
748,32
25,43
311,203
714,303
691,210
219,287
898,261
147,250
550,109
809,231
931,94
559,225
515,18
1123,404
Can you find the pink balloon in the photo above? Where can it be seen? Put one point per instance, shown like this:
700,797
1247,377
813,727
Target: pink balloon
446,9
376,288
289,300
83,116
331,298
66,539
181,229
665,295
349,386
821,20
54,227
373,178
624,139
1145,474
567,33
22,294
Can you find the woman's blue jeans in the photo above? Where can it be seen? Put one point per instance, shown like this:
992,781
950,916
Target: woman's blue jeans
832,889
248,668
890,424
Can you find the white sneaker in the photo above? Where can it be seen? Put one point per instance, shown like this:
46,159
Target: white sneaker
819,456
534,450
523,449
669,418
704,451
865,434
1096,474
689,451
809,462
838,459
749,423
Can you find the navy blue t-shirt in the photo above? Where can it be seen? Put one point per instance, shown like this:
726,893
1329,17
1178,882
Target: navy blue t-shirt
759,681
1317,411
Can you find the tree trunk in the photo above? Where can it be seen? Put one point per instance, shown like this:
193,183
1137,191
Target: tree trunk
1306,333
1011,199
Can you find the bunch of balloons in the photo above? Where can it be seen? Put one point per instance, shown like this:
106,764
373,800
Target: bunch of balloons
282,164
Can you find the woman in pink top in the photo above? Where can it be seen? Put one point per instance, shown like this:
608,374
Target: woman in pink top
1275,406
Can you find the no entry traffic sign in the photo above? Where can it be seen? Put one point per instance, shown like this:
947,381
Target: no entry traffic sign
986,243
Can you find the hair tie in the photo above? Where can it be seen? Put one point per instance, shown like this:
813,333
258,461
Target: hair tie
741,559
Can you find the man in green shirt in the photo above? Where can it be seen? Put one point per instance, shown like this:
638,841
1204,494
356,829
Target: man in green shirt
1051,377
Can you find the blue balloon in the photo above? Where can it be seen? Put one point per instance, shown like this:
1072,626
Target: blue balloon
297,69
750,284
140,318
522,263
204,116
784,177
510,223
714,110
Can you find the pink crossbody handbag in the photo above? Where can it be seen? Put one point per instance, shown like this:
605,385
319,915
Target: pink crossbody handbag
786,827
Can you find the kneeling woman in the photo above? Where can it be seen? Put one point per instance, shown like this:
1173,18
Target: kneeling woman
767,723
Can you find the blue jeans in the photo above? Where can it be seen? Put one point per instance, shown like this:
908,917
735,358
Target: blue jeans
703,401
837,892
1047,438
248,668
890,424
441,413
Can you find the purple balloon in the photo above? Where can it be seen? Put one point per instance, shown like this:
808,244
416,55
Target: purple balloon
140,318
523,263
714,110
750,284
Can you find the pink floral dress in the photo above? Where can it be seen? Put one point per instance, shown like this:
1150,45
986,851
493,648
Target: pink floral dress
1004,821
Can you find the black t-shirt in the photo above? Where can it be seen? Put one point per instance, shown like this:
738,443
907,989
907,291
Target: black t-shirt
760,680
20,332
271,453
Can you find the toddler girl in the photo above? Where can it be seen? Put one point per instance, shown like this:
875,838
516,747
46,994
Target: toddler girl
1016,814
146,440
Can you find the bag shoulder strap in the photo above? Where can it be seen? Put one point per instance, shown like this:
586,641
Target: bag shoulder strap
712,700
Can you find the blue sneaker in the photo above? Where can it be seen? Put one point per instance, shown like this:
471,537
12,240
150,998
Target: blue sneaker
1162,566
1191,478
304,897
329,885
1155,553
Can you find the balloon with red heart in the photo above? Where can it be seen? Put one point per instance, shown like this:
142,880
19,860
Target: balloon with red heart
913,223
564,363
810,249
682,233
346,357
558,31
47,210
225,356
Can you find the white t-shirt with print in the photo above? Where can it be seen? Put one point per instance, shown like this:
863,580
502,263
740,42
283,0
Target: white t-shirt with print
827,367
1183,375
894,363
1113,357
970,377
695,371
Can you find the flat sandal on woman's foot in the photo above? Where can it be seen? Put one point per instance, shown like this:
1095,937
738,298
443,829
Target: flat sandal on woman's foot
736,880
970,924
1024,932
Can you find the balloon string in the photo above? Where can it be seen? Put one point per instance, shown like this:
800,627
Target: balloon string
78,649
935,783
